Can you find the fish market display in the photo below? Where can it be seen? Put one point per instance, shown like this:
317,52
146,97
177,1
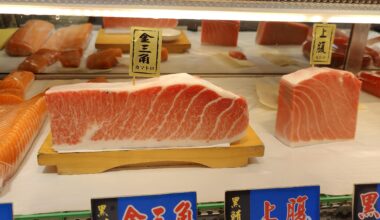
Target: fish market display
29,38
224,33
14,86
112,22
104,59
317,105
19,124
176,110
281,33
39,61
370,82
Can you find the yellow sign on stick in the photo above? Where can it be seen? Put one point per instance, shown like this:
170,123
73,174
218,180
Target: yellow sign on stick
323,40
145,52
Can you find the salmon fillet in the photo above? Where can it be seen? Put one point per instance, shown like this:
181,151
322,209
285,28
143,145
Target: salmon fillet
38,61
70,41
73,37
19,124
111,22
175,110
71,58
29,38
281,33
19,80
104,59
224,33
317,105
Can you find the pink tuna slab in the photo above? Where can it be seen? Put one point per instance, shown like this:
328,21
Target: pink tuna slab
176,110
317,105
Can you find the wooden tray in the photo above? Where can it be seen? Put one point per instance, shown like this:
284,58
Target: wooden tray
236,155
104,41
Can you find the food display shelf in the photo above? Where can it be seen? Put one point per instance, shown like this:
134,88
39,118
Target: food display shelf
201,59
335,166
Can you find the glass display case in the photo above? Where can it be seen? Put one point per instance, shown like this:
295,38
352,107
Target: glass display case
241,49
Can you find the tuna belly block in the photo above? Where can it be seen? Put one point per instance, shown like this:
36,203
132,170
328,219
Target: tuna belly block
317,105
176,110
282,33
224,33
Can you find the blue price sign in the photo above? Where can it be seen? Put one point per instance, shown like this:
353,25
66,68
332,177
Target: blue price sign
273,204
6,211
366,202
176,206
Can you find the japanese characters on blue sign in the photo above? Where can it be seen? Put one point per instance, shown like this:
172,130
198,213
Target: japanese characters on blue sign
6,211
299,203
366,202
177,206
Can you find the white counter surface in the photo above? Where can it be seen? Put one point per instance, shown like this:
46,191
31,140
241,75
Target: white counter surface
334,166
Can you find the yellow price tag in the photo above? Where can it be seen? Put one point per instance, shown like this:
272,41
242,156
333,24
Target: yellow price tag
145,52
323,40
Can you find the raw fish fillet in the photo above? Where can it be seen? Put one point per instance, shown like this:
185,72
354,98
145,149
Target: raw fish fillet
73,37
29,38
104,59
38,61
317,105
176,110
71,58
19,124
224,33
14,87
282,33
370,82
111,22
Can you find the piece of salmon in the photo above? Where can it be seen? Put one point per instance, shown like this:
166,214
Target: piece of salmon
39,61
71,58
224,33
281,33
104,59
73,37
14,86
112,22
29,38
17,80
164,54
19,124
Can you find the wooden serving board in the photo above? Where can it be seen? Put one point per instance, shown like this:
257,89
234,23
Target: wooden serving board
104,41
236,155
5,34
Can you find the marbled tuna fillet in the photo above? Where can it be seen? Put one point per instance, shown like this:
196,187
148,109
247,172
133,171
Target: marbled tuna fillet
176,110
317,105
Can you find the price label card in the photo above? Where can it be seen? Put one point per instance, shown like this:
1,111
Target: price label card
167,206
6,211
273,204
145,52
366,202
323,40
